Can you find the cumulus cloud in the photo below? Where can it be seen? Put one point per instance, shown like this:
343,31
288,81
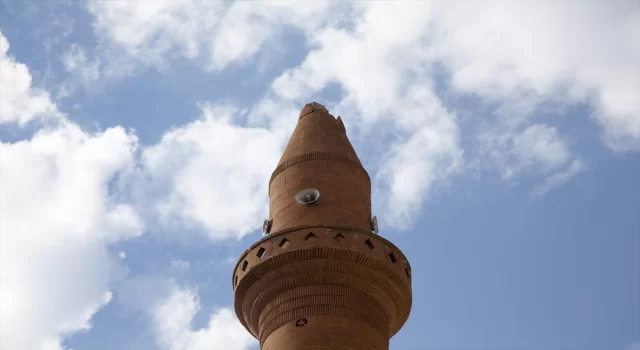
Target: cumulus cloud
519,56
57,219
539,145
246,27
535,148
211,174
56,225
172,320
427,154
510,54
493,49
172,308
372,63
20,102
150,29
578,51
216,32
377,65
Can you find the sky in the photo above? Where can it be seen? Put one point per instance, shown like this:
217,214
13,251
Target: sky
137,139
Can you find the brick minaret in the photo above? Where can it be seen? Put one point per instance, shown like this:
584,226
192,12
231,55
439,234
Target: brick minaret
321,277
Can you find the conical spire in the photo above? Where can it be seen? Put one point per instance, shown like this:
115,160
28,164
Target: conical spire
319,131
320,156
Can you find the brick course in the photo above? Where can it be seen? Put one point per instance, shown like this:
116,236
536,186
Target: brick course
322,279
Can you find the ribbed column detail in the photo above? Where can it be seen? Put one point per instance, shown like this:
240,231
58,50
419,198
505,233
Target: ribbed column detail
317,300
332,266
305,157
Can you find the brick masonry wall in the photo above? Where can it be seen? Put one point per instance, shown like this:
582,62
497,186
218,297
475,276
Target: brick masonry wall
325,333
322,279
345,195
319,155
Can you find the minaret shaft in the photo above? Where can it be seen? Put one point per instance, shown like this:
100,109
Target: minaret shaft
321,279
319,155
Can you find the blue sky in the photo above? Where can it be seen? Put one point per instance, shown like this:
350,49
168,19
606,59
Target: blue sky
137,139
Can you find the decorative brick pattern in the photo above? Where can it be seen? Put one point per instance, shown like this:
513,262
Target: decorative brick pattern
322,279
356,166
325,333
350,263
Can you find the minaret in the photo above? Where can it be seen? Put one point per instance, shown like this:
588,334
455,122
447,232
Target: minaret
321,277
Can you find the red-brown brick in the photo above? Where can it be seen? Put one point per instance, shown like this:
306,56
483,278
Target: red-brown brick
322,279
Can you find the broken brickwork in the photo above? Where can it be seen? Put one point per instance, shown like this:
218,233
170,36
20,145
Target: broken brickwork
321,279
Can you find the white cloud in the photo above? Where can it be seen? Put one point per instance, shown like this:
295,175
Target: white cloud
426,154
56,224
172,321
218,31
133,35
540,145
377,65
530,150
373,63
148,30
557,179
212,174
20,102
83,69
246,26
172,308
508,54
521,55
536,148
579,51
57,219
179,265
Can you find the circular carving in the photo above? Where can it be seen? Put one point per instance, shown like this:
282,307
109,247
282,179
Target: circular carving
301,322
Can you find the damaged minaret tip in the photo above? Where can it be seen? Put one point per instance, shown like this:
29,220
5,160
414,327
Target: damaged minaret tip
321,277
